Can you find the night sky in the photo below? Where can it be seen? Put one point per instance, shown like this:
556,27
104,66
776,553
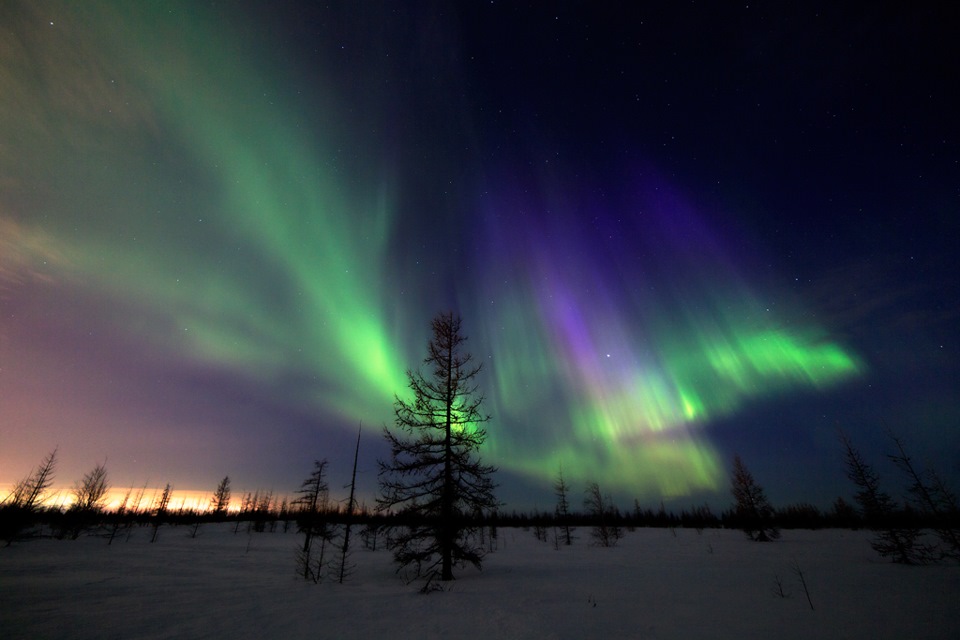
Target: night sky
674,232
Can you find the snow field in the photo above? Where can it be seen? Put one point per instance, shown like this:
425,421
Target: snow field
654,584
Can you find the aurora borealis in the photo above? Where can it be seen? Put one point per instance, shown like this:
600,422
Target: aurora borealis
224,230
642,372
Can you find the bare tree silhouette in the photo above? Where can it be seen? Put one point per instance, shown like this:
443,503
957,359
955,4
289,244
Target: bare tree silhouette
161,510
606,531
900,543
344,568
88,498
19,510
311,520
933,498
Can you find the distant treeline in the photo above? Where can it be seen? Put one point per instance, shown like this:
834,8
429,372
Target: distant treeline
271,516
798,516
932,505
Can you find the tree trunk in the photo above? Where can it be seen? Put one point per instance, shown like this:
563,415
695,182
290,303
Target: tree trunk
447,528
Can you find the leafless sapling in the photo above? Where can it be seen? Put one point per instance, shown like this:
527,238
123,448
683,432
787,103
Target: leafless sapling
135,512
119,515
312,520
540,531
344,567
803,581
284,514
778,589
160,511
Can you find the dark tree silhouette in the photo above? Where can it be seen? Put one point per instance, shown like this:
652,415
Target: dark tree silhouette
434,480
90,492
930,495
120,518
344,567
247,502
221,497
161,510
260,511
753,513
311,520
878,509
606,531
29,492
88,497
562,511
19,510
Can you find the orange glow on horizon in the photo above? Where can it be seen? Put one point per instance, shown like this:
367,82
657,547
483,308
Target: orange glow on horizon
142,499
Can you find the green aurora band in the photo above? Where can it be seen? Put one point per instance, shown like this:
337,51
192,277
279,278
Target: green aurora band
188,192
628,384
235,232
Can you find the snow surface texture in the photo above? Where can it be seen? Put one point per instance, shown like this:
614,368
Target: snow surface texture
653,585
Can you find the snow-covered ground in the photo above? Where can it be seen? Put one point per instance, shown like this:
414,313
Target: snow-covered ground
653,585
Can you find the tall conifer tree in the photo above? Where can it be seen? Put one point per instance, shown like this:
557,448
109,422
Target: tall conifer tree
434,479
752,510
